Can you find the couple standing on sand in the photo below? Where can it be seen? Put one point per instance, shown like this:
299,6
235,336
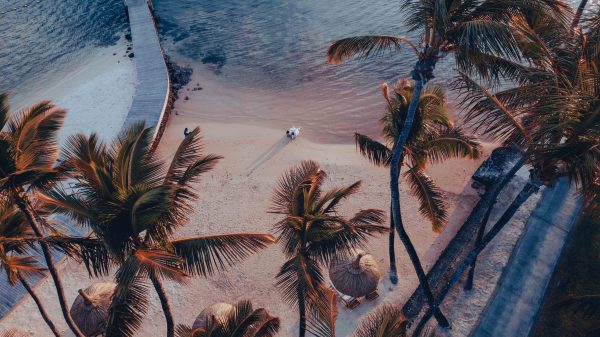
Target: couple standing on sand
293,132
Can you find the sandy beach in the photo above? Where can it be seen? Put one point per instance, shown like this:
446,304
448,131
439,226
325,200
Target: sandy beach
97,91
235,198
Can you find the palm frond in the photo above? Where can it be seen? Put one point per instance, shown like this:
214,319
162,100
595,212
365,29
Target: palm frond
431,198
364,46
323,312
160,263
376,152
19,266
387,320
487,114
128,308
298,277
330,200
13,333
585,307
285,196
206,255
444,143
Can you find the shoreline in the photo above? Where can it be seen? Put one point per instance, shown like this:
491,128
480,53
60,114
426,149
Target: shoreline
97,92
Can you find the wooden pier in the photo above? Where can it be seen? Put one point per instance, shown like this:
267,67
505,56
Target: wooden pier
151,99
150,104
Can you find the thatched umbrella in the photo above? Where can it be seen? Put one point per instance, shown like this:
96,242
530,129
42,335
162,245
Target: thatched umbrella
357,277
90,308
217,312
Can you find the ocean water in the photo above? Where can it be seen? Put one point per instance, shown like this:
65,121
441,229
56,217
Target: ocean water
273,53
39,39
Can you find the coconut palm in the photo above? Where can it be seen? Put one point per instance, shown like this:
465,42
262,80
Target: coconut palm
433,139
133,203
13,259
241,321
481,35
312,233
28,152
553,116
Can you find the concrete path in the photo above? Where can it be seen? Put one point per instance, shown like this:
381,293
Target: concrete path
153,88
514,306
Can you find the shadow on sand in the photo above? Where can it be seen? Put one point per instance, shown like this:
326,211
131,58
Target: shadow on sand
268,154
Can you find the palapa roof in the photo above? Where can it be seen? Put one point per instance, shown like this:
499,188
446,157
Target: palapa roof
217,311
90,308
357,276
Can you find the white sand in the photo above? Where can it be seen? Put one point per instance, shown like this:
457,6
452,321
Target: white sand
97,92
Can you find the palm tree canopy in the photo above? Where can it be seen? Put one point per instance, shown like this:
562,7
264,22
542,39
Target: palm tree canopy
312,232
553,111
13,258
28,149
239,320
471,30
432,139
386,321
133,202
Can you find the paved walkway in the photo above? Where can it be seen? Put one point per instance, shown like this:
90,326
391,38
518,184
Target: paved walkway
152,91
515,304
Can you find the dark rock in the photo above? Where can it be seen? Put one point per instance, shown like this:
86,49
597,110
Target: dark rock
128,37
130,55
178,75
492,168
186,98
114,54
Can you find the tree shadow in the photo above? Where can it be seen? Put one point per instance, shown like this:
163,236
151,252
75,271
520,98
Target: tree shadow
268,154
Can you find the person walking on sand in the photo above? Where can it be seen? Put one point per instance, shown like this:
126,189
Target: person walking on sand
186,132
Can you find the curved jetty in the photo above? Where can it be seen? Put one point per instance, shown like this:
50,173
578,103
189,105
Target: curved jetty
150,104
152,93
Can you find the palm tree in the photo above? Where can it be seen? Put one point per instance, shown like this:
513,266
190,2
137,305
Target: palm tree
242,321
312,233
28,152
480,35
433,139
13,260
133,203
553,116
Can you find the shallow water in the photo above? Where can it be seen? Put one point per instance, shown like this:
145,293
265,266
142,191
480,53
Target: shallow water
268,50
41,38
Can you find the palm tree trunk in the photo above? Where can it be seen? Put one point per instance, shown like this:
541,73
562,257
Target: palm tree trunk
302,311
27,211
164,302
420,76
505,180
578,13
530,188
480,233
393,272
40,306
